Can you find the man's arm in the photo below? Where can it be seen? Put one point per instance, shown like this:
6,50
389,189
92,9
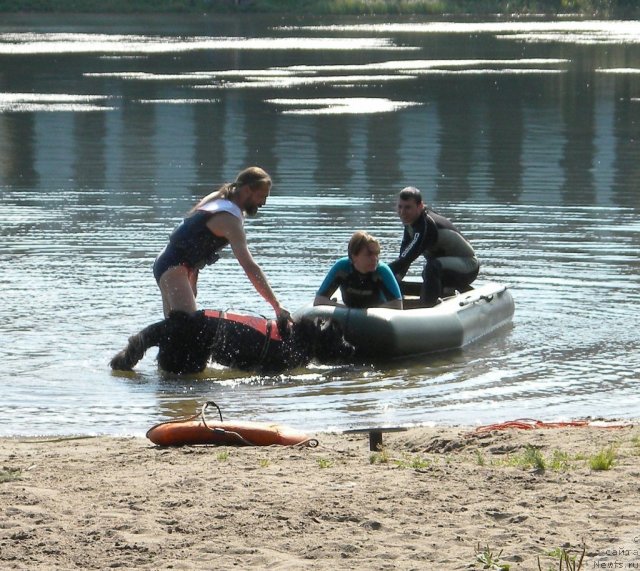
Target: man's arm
414,245
409,251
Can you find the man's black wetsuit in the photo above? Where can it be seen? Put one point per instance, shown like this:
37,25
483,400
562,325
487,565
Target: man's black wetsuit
451,261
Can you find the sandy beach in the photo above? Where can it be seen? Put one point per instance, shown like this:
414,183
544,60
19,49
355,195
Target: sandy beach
431,498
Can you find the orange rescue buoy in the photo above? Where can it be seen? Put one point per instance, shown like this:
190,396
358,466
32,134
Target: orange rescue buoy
198,430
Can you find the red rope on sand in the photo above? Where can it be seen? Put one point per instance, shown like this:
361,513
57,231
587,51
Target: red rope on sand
531,424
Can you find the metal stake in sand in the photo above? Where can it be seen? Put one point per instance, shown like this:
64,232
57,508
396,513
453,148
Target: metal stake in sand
375,434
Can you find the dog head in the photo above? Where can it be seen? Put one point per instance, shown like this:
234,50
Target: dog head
327,341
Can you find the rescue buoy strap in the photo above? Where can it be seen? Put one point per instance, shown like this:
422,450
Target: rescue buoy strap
198,415
219,430
204,408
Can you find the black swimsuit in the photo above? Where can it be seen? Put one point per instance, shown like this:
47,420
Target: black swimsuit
191,244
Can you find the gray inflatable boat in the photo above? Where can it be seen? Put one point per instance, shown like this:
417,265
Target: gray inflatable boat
455,322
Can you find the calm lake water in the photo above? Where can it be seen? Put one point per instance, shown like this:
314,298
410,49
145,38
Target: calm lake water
527,134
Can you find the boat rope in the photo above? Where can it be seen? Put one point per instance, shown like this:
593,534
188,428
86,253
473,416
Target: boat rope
532,424
482,297
471,299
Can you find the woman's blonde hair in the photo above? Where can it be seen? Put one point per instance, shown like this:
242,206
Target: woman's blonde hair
359,241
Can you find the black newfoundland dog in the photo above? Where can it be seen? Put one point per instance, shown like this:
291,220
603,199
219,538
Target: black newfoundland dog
188,341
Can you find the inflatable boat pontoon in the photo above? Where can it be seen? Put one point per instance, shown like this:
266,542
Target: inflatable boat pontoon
455,322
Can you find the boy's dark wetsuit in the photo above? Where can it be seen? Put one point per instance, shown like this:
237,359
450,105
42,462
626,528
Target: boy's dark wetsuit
192,244
360,290
451,261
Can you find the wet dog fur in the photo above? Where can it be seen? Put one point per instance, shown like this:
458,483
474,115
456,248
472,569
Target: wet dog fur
187,342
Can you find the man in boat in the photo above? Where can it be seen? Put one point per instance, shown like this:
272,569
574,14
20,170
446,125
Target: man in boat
215,222
450,259
363,280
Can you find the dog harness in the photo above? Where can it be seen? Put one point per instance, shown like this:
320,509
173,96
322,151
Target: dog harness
263,325
260,324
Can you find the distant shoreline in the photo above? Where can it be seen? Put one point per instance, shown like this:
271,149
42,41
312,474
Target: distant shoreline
579,8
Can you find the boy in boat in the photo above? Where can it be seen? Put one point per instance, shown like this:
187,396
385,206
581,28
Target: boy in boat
216,221
450,259
363,280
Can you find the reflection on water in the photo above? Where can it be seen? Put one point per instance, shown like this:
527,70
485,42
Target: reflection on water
330,106
525,134
31,102
52,43
571,32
